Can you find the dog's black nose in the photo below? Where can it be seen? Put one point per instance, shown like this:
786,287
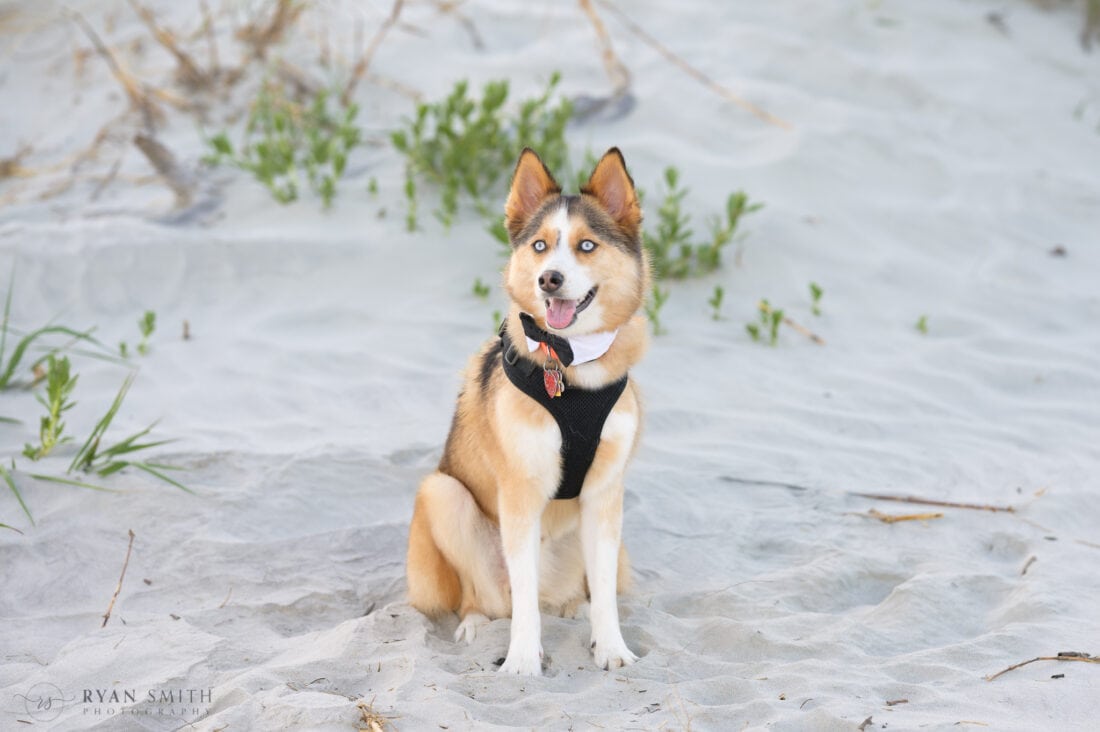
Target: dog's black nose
551,280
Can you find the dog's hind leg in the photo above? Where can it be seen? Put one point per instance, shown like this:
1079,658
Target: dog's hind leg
434,586
468,544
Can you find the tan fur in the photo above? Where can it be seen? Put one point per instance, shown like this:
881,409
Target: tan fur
501,464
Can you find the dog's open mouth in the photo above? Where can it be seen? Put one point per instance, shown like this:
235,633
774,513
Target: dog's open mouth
561,313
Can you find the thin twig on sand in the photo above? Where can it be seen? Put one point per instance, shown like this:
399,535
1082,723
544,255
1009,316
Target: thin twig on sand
11,167
887,518
450,7
302,86
211,37
1027,565
616,69
693,72
260,37
363,63
139,99
118,589
1062,656
795,326
189,72
932,502
164,162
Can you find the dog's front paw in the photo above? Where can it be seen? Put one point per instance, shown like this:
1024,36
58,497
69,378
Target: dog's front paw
468,629
612,655
525,663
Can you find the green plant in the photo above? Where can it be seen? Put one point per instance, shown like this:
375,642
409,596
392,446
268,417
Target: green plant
147,324
708,256
6,475
715,302
283,136
60,383
815,297
769,321
93,457
481,289
465,144
653,308
410,200
670,245
922,324
9,366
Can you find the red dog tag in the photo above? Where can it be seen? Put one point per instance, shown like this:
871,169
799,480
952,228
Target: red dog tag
554,382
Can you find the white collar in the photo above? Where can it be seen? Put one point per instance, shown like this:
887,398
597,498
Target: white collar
587,347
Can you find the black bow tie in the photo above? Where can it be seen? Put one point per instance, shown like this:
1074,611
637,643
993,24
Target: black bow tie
534,332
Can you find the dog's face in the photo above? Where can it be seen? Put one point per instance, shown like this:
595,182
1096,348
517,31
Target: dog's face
577,262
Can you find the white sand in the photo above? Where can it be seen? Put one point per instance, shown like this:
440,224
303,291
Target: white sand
934,161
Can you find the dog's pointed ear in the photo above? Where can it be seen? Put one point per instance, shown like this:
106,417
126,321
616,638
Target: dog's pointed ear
613,187
532,184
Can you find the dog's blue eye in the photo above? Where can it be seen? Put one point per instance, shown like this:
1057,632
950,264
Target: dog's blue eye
588,245
540,246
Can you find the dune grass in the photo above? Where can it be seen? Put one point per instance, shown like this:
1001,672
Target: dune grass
59,381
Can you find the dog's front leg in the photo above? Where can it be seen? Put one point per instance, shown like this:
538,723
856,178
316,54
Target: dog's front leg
520,526
601,534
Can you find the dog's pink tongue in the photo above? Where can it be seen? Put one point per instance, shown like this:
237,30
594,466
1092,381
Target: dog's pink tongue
560,312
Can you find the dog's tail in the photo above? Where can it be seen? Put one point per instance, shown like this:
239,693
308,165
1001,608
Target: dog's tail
434,587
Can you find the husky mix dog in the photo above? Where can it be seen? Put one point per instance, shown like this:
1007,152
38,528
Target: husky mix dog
525,510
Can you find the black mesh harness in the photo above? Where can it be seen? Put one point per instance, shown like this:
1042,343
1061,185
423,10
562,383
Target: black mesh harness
580,413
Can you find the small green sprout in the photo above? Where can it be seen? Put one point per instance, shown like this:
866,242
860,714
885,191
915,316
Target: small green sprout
669,246
769,321
147,324
715,302
815,296
708,256
922,325
59,388
410,198
772,318
481,289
